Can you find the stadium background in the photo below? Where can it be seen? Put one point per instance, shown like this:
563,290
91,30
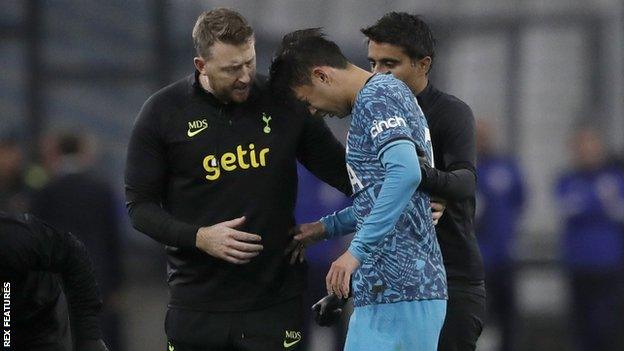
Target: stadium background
532,68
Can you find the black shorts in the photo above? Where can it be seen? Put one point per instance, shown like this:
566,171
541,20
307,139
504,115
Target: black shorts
278,327
465,315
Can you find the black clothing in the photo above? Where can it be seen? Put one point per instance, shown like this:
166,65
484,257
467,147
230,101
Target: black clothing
451,125
194,161
277,327
35,259
596,309
78,202
501,303
465,317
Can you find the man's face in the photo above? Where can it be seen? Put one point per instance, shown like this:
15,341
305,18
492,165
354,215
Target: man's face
322,98
589,151
231,70
384,57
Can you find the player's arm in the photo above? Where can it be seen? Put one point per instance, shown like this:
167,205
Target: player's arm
34,246
337,224
322,154
401,179
459,181
400,182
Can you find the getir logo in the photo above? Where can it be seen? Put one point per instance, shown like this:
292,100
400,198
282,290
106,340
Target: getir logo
231,161
391,122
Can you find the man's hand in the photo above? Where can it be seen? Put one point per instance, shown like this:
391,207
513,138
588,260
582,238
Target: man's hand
339,275
328,309
304,235
437,205
223,241
437,209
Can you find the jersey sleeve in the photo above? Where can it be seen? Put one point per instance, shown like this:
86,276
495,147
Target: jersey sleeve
339,223
401,179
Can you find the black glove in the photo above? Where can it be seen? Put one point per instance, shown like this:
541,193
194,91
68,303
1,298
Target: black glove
422,158
91,345
328,309
425,167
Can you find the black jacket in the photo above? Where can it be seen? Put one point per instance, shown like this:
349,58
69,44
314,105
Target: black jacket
193,161
452,128
37,263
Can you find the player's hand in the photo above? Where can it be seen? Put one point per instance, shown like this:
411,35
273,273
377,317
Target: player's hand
91,345
328,309
437,209
304,235
223,241
339,276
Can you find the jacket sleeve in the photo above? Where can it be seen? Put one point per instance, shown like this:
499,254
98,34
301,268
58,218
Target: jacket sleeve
458,180
145,179
323,155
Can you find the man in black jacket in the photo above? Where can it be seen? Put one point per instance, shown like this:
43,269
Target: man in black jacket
47,279
211,173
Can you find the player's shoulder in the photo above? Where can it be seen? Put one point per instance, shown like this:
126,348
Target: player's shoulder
173,95
387,86
384,91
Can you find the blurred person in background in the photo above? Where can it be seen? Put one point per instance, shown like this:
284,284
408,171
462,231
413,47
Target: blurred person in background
211,172
404,45
590,196
51,298
15,193
76,200
500,197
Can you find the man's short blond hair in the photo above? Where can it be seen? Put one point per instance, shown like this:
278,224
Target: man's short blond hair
221,24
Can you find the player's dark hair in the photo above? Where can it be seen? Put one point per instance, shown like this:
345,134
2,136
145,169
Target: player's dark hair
404,30
298,53
221,24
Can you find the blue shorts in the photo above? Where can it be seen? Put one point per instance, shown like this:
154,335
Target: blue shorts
405,326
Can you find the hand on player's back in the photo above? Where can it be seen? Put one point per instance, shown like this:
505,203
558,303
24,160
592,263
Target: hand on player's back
437,209
304,235
223,241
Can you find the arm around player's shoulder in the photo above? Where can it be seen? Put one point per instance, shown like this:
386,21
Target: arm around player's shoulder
455,132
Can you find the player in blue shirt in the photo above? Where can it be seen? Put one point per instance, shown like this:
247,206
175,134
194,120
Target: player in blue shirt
394,260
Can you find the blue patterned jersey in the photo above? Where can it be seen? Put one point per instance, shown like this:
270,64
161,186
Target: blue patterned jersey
407,264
